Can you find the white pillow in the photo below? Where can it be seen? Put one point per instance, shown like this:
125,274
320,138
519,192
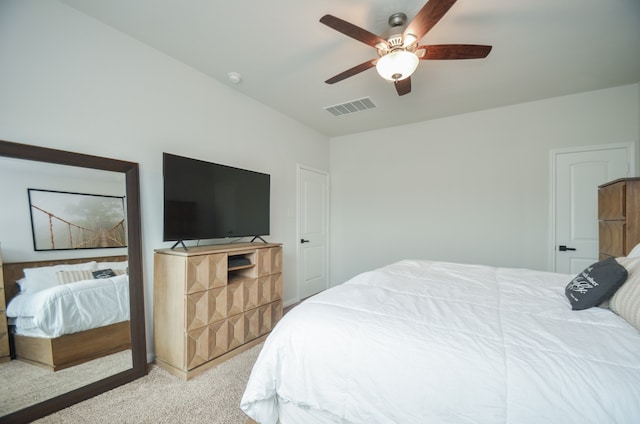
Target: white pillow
45,277
113,265
635,252
626,301
22,284
65,277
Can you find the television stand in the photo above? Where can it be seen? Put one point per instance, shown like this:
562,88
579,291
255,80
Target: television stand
213,302
258,237
182,243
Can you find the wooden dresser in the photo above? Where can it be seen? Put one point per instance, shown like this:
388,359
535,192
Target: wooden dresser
618,217
212,302
4,333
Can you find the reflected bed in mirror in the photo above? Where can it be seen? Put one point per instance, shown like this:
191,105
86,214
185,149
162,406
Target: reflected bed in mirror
44,340
69,363
74,316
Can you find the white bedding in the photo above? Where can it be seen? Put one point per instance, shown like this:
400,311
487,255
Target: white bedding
70,308
433,342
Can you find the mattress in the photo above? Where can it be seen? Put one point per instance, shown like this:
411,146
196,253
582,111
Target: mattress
424,341
70,308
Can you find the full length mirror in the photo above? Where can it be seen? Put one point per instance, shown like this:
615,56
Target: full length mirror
94,356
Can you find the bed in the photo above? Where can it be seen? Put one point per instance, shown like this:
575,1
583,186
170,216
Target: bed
63,313
439,342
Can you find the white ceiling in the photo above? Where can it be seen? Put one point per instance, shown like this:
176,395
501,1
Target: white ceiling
541,49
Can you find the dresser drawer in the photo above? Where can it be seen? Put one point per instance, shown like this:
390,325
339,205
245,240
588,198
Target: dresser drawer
612,201
612,238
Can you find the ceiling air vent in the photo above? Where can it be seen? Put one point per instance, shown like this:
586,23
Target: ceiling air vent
350,107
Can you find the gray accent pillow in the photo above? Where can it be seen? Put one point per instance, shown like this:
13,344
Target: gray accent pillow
104,273
597,283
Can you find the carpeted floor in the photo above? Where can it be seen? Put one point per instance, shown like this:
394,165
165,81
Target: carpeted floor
31,384
212,397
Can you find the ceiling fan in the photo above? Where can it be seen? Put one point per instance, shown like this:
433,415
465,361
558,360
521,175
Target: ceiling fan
398,49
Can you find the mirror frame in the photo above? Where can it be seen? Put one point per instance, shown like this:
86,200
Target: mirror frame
136,297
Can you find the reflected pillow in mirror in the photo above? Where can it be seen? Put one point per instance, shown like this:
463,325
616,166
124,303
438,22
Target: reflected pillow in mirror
66,277
107,273
113,265
22,283
45,277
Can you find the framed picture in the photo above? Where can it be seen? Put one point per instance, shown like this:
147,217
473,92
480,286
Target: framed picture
64,221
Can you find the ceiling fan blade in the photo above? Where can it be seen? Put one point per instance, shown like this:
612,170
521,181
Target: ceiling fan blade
453,51
353,71
403,86
427,17
353,31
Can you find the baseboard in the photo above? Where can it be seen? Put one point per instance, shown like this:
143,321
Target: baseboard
287,303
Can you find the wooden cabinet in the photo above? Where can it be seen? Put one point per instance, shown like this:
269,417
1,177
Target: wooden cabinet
4,333
211,302
618,217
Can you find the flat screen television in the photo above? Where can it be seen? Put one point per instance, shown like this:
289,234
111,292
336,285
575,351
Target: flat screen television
204,200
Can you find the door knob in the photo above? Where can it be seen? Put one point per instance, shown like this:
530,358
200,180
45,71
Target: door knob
564,248
304,241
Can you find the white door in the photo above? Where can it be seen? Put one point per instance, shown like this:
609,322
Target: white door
313,234
578,173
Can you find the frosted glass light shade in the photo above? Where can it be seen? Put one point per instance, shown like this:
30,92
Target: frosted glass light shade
397,65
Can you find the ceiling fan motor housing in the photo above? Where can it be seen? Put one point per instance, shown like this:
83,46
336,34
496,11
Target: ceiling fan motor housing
394,35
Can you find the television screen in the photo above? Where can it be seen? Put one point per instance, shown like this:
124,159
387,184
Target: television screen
204,200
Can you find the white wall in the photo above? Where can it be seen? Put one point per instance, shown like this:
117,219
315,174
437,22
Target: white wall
69,82
470,188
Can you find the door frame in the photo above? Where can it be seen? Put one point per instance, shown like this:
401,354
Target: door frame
630,146
299,275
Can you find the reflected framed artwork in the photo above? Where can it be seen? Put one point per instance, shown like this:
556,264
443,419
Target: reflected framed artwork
68,221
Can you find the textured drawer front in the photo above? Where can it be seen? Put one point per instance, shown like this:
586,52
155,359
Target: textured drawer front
270,289
206,272
251,324
197,347
276,287
276,260
236,331
4,335
261,320
206,307
270,314
197,307
263,262
235,298
219,338
211,341
251,294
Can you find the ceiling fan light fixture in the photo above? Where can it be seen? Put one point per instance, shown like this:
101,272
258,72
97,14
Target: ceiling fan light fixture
409,39
397,65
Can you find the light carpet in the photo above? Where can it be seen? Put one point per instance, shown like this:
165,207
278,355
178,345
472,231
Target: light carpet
212,397
25,384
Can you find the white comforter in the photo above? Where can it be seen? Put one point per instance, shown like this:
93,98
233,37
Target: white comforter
70,308
433,342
